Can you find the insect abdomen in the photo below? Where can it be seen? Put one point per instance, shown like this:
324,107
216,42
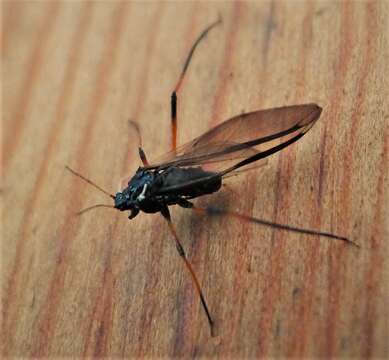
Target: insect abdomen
173,177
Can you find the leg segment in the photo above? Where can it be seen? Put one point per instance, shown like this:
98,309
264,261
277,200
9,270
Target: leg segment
210,211
181,252
142,156
134,126
173,104
173,101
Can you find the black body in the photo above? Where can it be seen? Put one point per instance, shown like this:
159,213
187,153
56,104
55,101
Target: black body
148,190
242,140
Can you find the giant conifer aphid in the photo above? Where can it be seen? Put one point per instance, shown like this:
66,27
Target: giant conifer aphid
199,167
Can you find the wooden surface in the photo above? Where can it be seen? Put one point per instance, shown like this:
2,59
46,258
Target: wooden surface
75,72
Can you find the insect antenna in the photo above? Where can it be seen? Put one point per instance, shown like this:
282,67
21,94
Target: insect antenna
89,182
94,207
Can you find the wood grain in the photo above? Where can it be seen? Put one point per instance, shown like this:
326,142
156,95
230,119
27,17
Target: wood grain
99,285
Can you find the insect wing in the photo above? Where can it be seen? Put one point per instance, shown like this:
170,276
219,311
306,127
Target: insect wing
262,133
242,137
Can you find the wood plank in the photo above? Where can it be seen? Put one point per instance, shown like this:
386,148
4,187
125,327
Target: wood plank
99,285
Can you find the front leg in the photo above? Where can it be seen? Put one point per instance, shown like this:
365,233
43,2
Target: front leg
133,213
134,126
142,156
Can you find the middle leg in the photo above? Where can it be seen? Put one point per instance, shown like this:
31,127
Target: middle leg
173,101
166,214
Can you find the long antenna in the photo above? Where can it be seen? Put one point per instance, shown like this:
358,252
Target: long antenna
94,207
89,182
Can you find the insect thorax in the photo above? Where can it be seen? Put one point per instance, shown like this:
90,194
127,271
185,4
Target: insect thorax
149,192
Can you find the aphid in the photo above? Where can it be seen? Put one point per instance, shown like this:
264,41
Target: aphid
200,166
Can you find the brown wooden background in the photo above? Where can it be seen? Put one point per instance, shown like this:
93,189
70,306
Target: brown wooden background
75,72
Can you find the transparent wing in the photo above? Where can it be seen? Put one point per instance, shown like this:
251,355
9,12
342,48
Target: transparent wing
242,137
252,137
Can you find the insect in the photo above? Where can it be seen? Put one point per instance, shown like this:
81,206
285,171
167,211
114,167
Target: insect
199,167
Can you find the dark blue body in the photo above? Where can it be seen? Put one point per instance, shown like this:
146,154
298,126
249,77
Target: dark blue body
152,190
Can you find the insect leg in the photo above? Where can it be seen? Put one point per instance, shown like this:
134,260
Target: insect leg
173,101
166,214
132,124
142,156
211,211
